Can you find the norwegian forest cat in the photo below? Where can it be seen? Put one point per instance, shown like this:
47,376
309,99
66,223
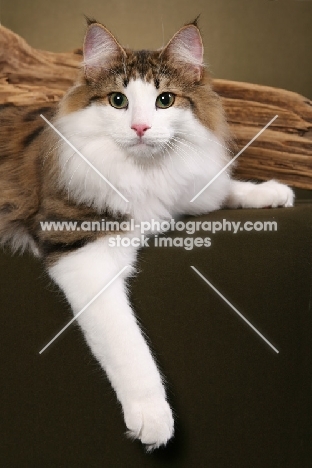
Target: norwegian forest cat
150,123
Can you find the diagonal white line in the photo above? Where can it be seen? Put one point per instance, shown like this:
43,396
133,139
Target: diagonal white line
82,156
232,160
235,310
84,308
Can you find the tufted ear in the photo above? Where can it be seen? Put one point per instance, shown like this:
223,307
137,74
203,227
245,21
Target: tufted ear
100,49
186,47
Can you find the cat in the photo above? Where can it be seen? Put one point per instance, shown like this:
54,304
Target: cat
151,124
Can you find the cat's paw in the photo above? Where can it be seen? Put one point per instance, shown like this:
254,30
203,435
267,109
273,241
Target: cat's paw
150,420
269,194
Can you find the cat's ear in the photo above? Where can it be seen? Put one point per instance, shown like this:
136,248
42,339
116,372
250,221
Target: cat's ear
100,49
186,47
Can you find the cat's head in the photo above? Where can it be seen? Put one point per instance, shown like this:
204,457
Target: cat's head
145,99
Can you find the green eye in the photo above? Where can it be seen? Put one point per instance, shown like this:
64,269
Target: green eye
165,100
118,100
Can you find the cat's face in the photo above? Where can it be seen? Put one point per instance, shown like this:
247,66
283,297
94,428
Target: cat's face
148,122
144,101
140,118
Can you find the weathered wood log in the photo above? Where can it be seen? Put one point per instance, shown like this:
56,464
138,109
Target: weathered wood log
33,78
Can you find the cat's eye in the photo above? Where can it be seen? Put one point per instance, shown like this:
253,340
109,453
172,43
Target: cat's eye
165,100
118,100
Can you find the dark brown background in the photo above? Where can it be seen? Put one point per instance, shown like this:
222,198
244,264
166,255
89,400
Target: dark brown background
238,404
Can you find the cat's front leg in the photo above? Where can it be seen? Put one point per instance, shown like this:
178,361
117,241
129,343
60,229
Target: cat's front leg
114,336
252,195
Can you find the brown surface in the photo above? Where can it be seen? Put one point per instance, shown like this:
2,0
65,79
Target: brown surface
237,403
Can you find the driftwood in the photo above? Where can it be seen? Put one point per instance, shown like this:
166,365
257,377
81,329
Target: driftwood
33,78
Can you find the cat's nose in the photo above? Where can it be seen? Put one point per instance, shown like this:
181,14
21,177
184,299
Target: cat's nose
140,129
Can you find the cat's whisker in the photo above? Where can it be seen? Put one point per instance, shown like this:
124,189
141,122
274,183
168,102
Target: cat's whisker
215,140
180,151
180,132
174,149
184,160
59,143
187,156
193,148
197,154
163,149
206,155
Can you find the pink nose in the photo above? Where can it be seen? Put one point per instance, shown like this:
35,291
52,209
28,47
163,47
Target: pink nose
140,129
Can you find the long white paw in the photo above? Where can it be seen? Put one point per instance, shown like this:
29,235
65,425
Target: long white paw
150,420
269,194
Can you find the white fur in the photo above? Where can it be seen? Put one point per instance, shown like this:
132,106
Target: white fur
113,335
267,194
176,157
159,175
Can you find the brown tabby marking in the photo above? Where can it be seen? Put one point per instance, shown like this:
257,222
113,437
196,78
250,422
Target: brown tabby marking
29,170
